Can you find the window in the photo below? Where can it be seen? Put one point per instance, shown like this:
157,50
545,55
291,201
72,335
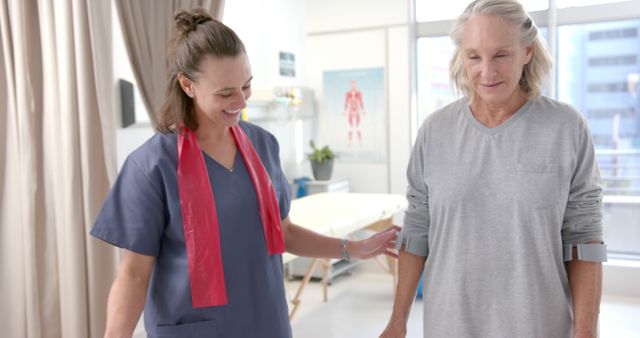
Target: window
598,74
611,34
582,3
434,86
428,10
613,60
607,87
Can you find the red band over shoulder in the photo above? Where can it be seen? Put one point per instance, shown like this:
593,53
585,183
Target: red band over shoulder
268,203
200,217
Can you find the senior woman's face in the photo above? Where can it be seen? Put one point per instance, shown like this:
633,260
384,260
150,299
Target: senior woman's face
493,58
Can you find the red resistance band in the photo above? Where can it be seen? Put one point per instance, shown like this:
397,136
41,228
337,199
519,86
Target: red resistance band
200,218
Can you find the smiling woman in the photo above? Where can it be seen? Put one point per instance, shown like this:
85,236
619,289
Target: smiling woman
219,90
201,208
223,85
516,57
493,66
208,56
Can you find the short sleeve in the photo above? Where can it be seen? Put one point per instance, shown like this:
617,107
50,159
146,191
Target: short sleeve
133,214
582,221
415,231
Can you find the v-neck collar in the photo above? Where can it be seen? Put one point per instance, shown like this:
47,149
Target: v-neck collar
213,160
502,126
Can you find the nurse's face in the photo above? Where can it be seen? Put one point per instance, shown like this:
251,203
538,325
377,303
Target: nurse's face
493,58
220,91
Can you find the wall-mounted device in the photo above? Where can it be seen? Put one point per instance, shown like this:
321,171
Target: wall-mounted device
281,104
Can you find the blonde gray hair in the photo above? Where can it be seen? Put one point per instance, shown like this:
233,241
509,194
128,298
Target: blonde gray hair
534,73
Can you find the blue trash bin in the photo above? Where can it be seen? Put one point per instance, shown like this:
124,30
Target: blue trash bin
301,182
419,293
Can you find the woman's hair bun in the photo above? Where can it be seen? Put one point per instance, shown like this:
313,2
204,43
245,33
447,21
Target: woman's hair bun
187,21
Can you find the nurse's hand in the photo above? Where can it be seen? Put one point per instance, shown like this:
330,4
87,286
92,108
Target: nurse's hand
383,242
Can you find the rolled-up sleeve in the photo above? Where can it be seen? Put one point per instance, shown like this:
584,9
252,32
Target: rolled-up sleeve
582,222
415,231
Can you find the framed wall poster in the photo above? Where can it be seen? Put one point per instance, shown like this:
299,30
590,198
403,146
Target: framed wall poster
287,64
355,113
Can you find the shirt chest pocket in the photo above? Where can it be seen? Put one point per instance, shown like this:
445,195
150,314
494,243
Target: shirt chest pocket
207,328
541,182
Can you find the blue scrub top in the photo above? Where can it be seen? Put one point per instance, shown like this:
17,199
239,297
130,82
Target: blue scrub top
142,214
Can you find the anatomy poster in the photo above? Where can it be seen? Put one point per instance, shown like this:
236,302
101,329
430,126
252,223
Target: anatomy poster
355,111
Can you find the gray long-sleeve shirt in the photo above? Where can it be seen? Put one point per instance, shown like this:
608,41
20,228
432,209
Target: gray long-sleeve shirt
492,209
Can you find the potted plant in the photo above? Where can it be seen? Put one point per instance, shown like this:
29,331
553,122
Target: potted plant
321,162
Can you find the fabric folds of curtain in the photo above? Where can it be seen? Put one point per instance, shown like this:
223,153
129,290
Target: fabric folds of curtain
146,26
56,122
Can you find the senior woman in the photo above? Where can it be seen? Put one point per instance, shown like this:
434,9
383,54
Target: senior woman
505,196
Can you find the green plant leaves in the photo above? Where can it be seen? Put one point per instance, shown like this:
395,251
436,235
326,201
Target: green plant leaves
320,155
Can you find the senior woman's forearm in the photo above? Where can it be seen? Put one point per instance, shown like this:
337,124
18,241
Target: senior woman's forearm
585,280
410,269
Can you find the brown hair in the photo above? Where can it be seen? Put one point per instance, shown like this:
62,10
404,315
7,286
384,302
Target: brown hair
195,36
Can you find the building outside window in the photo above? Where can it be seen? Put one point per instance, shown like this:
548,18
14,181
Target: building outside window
598,73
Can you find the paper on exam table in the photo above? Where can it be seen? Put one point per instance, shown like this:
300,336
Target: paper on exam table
339,214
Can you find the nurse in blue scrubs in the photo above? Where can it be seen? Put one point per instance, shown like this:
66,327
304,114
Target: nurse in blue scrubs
201,208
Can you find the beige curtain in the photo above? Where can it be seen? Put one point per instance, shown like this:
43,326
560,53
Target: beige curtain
55,122
146,26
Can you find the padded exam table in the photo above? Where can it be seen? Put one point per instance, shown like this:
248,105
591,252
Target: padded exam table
341,215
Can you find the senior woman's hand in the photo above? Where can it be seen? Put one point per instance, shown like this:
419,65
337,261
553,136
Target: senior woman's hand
394,330
383,242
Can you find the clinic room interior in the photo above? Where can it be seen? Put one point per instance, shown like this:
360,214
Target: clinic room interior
351,80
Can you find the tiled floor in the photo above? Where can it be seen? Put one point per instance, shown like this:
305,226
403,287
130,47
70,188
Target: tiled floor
360,304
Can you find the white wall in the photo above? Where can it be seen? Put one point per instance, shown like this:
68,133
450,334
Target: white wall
332,34
340,15
270,27
127,139
365,34
621,277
